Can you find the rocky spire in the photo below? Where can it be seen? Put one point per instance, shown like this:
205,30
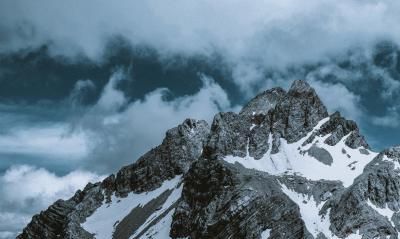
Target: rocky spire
300,87
263,102
298,112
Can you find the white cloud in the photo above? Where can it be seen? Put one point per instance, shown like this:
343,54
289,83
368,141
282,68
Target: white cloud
26,190
21,183
81,90
337,97
112,99
51,141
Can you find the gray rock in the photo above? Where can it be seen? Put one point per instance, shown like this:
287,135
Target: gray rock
181,146
298,112
364,151
320,154
263,102
230,135
286,115
221,200
338,127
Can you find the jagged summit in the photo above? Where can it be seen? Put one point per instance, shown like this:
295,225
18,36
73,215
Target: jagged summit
281,168
300,87
268,99
270,116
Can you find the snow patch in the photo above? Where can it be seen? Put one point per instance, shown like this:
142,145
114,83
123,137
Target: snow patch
161,229
175,195
265,234
386,211
104,220
309,210
354,236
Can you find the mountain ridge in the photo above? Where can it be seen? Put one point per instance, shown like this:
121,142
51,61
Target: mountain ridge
280,168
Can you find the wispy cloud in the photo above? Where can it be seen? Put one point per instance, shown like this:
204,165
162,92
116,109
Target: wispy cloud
337,97
54,141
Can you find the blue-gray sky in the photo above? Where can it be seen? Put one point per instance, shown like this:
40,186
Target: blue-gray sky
88,86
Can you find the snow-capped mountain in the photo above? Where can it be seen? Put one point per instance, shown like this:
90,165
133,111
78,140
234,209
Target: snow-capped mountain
281,168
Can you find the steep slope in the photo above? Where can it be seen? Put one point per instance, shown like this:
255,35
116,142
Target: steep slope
158,171
280,168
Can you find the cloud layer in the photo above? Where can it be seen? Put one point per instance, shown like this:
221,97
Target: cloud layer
252,38
269,32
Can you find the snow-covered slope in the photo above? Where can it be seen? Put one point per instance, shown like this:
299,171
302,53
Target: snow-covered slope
315,160
102,223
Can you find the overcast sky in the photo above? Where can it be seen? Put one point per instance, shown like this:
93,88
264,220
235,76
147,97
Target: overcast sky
89,86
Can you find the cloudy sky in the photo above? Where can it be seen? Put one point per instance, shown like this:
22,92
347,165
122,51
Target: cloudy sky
89,86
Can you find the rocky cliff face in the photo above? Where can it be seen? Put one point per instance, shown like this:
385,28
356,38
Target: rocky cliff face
280,168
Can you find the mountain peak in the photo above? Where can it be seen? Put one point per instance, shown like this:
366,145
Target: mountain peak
300,86
281,167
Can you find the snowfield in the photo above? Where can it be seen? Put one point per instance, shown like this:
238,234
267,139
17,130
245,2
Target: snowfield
293,158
